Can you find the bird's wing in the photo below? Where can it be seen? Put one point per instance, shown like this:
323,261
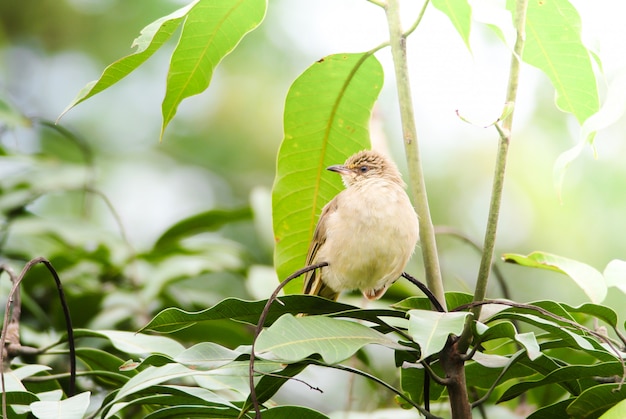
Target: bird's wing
313,283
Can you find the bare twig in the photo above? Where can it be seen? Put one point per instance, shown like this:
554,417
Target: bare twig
68,323
425,290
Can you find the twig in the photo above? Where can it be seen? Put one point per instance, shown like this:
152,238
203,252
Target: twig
425,290
259,327
499,171
66,313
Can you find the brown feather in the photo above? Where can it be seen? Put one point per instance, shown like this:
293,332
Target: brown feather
313,283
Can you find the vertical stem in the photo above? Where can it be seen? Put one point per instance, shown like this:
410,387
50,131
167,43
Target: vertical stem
498,180
417,184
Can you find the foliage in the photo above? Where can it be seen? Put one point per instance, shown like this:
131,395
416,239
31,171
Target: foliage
560,360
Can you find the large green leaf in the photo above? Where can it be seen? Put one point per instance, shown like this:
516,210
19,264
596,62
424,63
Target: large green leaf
596,400
431,329
460,14
211,30
292,339
587,278
172,319
152,37
326,119
554,45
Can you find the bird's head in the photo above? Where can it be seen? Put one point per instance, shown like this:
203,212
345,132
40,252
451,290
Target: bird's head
367,164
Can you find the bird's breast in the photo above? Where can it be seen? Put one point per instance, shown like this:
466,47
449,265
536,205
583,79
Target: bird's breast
370,237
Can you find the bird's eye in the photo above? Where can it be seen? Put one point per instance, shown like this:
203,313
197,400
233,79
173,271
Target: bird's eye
364,169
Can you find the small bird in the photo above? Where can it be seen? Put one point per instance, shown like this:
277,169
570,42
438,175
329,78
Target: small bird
366,234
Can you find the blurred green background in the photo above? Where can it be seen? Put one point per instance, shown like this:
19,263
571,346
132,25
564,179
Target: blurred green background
222,144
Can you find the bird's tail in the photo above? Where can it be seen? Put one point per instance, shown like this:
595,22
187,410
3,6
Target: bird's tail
313,285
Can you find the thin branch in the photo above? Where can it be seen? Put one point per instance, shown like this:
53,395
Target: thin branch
12,276
425,290
418,185
66,313
259,327
499,171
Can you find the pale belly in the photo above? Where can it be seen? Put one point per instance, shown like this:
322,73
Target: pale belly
369,242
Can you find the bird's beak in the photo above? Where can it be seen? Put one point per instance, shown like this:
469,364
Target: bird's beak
339,168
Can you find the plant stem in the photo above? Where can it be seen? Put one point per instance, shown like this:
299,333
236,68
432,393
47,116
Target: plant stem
498,180
417,184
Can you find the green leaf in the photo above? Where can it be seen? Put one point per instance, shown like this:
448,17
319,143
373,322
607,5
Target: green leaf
290,412
603,313
326,119
596,400
453,300
212,29
616,412
206,356
555,410
587,278
567,373
152,37
460,14
135,343
72,408
529,342
292,339
201,223
174,396
191,411
431,329
553,44
550,326
173,319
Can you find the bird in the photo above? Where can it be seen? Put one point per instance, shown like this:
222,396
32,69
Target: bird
366,234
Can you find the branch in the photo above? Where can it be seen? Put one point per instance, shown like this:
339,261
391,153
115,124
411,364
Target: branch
425,290
68,324
498,178
418,185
